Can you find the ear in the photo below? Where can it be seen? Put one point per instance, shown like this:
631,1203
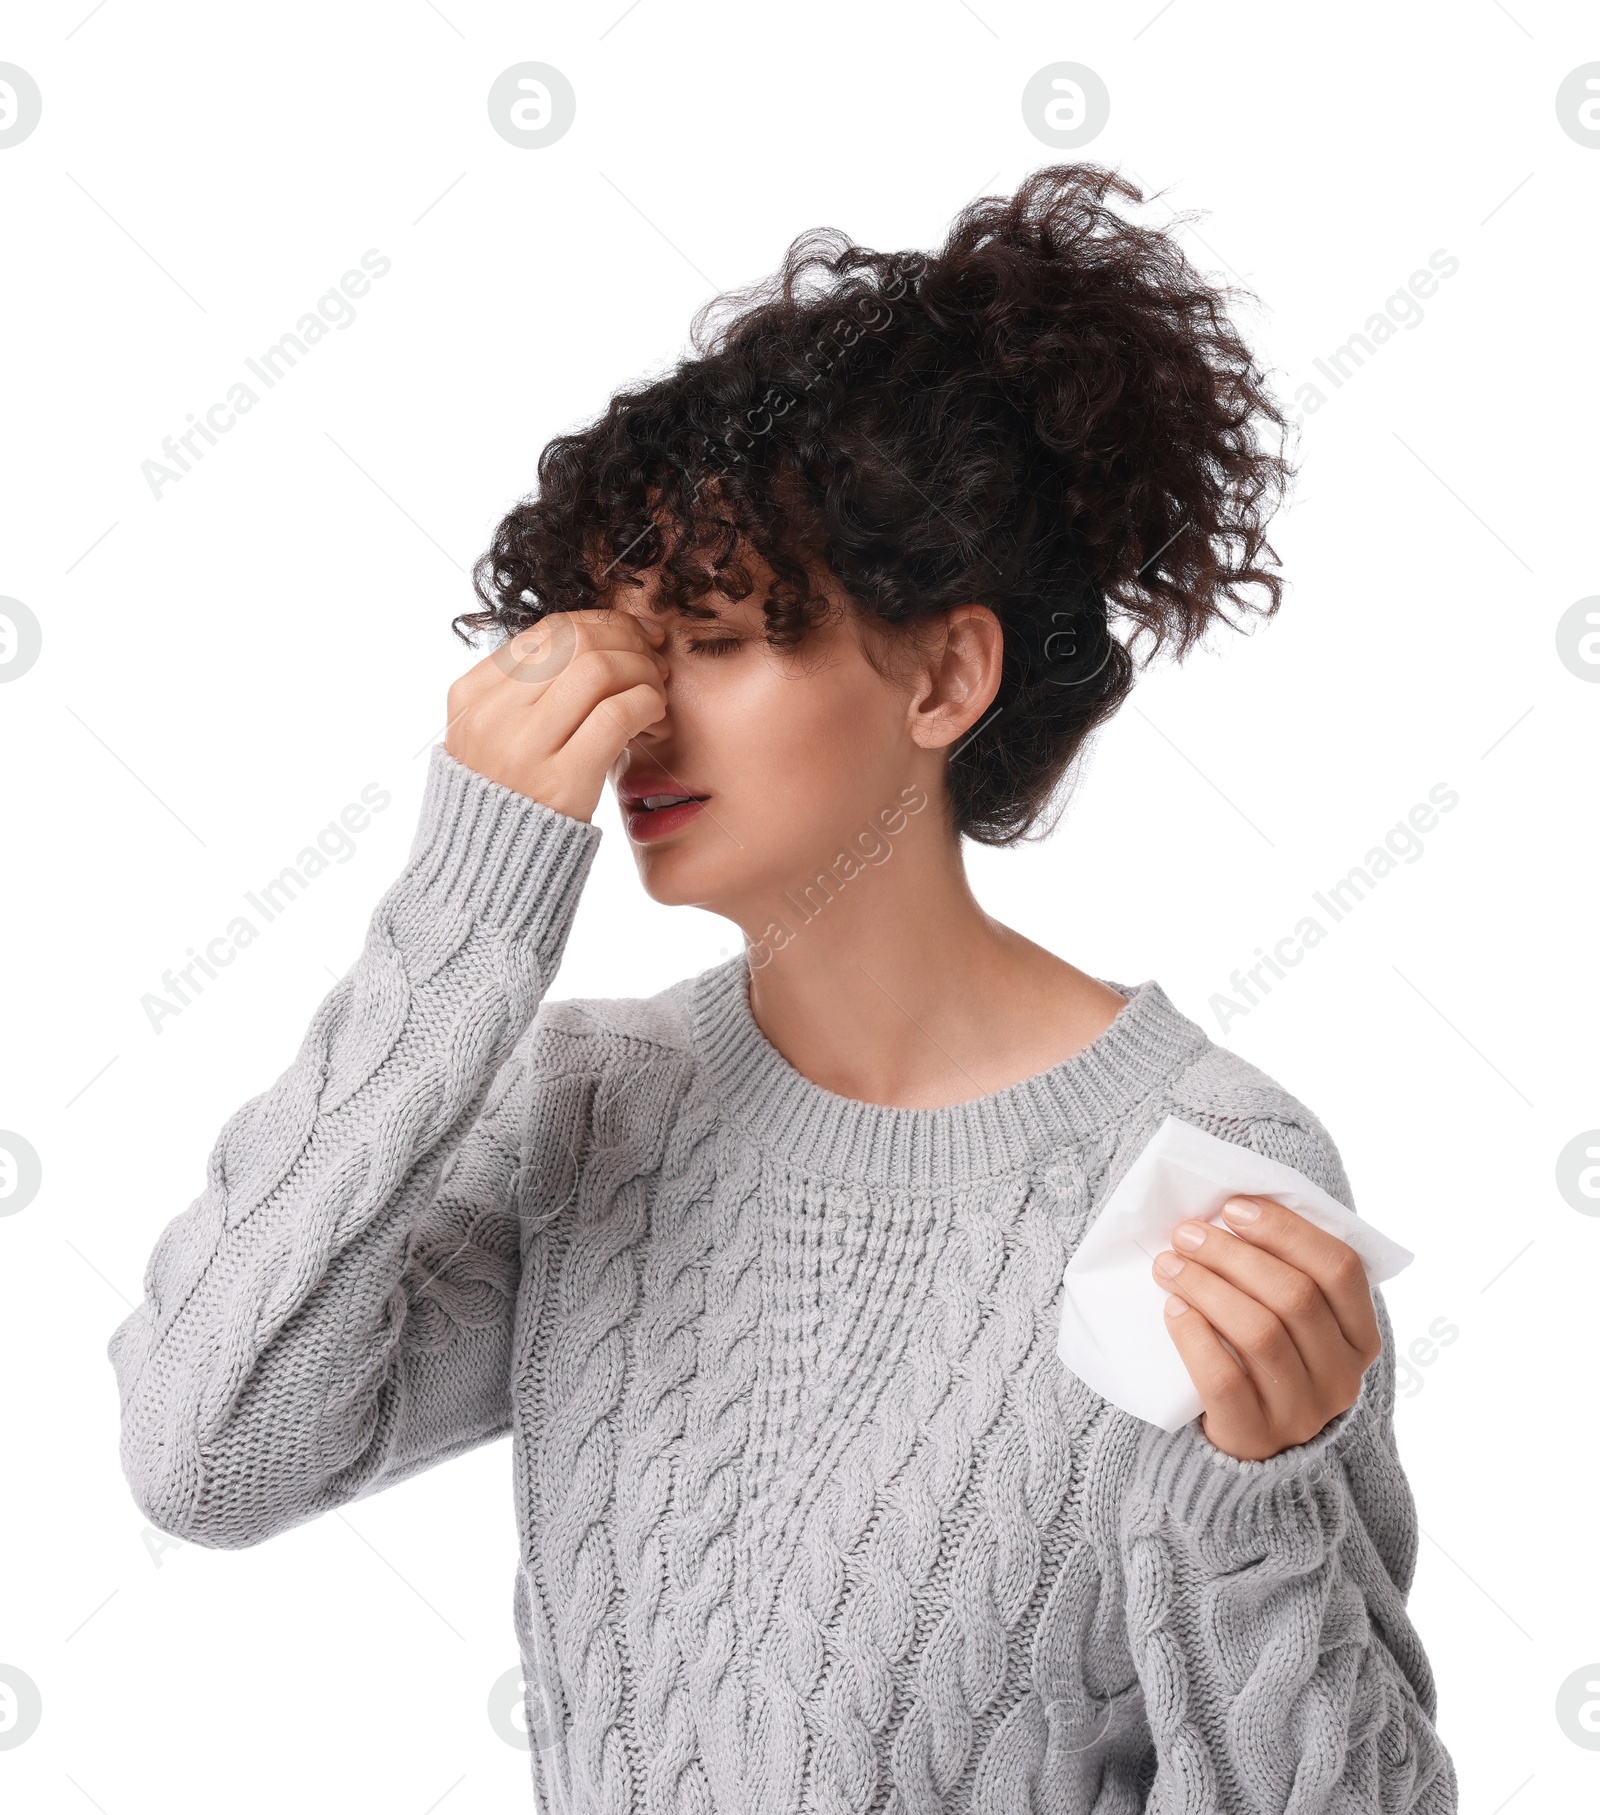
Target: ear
959,678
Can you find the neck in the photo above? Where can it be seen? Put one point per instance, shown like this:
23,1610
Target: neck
895,987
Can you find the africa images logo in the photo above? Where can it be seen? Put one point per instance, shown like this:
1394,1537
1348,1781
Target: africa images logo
335,308
1402,843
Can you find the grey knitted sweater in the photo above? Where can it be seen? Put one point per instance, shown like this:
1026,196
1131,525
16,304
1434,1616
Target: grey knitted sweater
811,1515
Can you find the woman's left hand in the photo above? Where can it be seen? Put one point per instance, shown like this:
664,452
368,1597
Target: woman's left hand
1296,1304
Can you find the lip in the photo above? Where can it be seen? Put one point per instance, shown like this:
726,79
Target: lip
640,784
645,825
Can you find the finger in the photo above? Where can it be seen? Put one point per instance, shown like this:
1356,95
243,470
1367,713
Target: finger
1333,1264
614,722
1263,1342
1234,1414
597,678
616,626
542,651
1294,1297
522,650
588,681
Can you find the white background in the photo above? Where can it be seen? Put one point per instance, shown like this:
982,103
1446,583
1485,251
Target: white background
225,667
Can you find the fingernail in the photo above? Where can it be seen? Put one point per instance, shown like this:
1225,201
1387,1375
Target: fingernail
1175,1305
1169,1264
1241,1210
1188,1235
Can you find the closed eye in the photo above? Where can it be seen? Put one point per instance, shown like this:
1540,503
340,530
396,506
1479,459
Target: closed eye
717,646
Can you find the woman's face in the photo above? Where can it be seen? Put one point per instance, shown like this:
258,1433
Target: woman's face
795,753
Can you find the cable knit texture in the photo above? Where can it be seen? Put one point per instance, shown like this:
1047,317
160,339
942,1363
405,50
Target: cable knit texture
811,1516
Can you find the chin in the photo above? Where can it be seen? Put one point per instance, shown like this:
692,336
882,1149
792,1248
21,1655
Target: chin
716,875
675,877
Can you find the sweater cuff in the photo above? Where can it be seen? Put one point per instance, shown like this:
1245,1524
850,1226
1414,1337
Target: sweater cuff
1229,1503
510,862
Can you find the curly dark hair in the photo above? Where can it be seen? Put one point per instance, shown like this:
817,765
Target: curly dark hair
1052,415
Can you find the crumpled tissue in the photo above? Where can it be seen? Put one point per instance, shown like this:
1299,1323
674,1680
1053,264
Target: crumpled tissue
1114,1333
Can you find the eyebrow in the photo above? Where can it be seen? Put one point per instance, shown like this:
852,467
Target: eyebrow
700,613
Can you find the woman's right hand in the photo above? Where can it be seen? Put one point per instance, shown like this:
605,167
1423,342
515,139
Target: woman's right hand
549,711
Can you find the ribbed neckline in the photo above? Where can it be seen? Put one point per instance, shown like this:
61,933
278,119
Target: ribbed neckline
822,1133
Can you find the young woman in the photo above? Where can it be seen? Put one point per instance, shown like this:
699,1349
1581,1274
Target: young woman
762,1273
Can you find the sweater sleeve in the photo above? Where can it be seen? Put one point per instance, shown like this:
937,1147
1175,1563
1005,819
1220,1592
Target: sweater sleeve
334,1312
1266,1602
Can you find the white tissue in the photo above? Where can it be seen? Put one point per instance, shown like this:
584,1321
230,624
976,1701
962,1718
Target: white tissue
1114,1333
